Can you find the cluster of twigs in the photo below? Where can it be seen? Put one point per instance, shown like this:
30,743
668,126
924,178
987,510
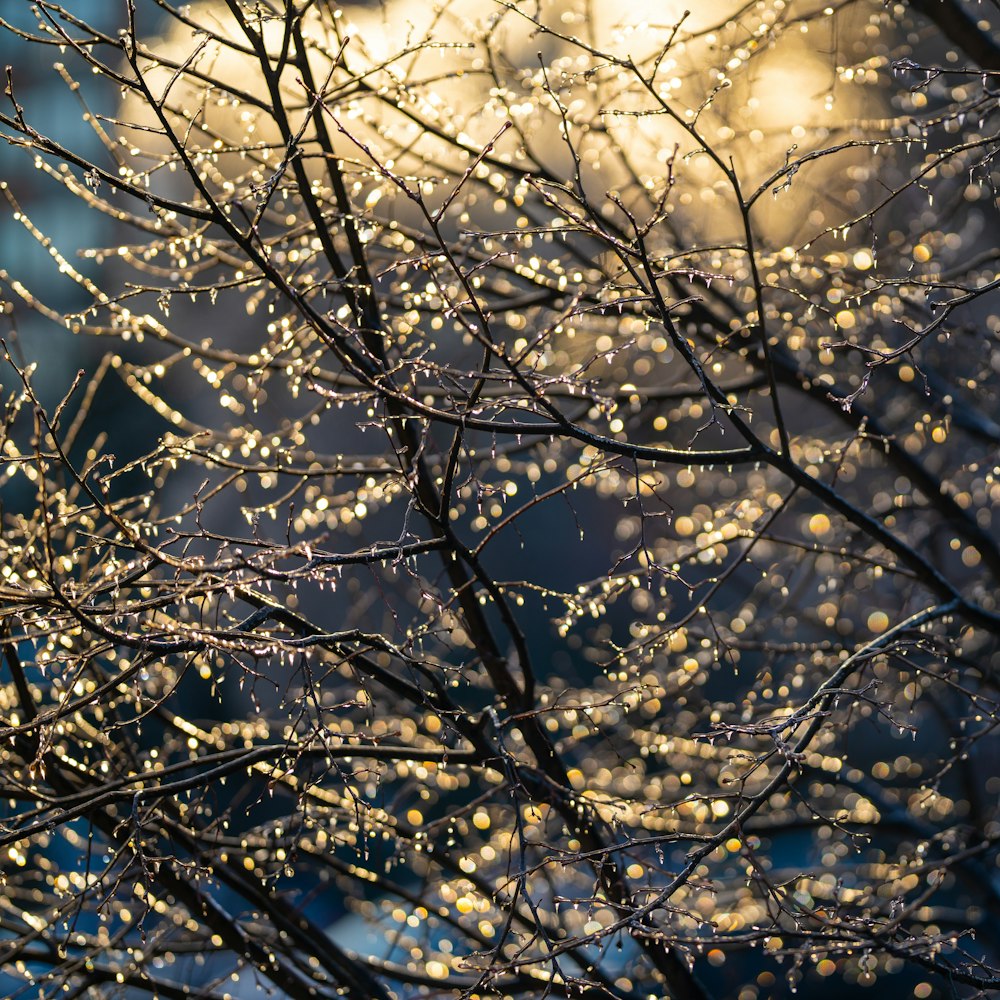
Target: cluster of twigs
557,528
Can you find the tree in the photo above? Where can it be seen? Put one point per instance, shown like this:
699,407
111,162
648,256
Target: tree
557,528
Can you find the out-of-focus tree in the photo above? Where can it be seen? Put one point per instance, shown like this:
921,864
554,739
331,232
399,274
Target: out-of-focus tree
568,548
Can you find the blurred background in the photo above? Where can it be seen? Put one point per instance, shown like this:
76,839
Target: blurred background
796,88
